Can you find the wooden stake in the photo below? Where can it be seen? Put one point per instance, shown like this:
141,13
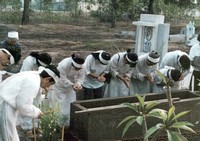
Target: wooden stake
63,132
35,135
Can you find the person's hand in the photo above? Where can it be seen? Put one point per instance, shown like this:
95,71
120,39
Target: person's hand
171,83
101,78
181,78
40,115
149,78
77,87
126,81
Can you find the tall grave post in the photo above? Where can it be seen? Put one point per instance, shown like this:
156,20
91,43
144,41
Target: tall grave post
152,34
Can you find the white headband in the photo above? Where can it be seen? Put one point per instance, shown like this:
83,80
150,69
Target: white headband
130,61
50,73
41,63
153,60
12,60
101,59
179,63
79,66
169,74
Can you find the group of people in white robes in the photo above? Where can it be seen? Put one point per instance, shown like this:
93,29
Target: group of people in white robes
98,75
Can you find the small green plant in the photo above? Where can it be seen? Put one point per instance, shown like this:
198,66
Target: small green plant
49,122
170,126
143,110
168,90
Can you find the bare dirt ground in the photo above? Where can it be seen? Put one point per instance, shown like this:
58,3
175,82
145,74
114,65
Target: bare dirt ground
61,40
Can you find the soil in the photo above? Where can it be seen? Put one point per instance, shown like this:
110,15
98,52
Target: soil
61,40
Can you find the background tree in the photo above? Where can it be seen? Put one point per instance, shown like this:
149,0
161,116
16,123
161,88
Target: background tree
25,16
150,7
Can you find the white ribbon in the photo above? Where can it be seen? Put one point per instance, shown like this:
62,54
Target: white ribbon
130,61
153,60
79,66
50,72
42,63
101,59
12,60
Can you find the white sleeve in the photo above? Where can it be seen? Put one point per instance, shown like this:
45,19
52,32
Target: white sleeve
87,64
64,81
24,100
113,65
27,65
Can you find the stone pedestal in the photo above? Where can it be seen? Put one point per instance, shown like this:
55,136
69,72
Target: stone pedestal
152,34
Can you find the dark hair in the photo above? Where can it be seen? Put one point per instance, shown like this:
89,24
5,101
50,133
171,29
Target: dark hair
15,51
44,57
34,54
53,68
198,37
175,74
132,56
185,62
95,55
104,55
154,54
129,50
77,58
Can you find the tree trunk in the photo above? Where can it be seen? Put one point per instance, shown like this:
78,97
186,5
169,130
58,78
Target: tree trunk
113,12
25,16
150,7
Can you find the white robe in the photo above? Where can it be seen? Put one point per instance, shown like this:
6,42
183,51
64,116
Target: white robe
92,65
29,64
171,59
116,87
157,79
140,85
26,122
16,95
62,92
195,51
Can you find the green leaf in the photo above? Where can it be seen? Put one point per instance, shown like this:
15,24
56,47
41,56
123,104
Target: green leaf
169,136
175,136
151,104
183,123
127,126
180,115
162,76
141,101
163,115
170,112
181,126
158,110
131,106
155,113
151,131
126,119
139,120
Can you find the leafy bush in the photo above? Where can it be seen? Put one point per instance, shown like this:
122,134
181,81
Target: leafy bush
49,122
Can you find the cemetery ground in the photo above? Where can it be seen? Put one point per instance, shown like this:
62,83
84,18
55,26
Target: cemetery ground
61,40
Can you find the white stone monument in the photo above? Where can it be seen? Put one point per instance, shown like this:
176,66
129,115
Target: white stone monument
190,33
152,34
